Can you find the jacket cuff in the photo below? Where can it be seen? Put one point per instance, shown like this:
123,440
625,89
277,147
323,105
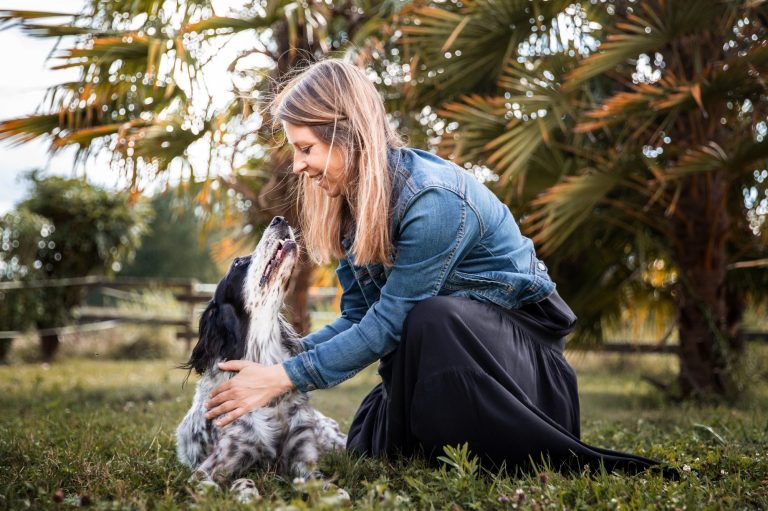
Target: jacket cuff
301,373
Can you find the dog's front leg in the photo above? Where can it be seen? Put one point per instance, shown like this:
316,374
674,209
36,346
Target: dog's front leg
299,451
193,438
241,445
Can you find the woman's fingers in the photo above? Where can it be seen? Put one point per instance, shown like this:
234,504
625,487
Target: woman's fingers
221,387
225,407
233,415
221,397
235,365
254,386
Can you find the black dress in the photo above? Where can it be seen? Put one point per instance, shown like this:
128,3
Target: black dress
467,371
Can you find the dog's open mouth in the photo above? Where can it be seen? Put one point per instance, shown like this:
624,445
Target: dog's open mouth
283,247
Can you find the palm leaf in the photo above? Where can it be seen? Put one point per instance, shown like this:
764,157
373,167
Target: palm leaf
220,25
481,119
25,129
562,209
742,157
657,25
487,33
12,17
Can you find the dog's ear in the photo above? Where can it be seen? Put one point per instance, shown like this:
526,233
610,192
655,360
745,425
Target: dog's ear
220,338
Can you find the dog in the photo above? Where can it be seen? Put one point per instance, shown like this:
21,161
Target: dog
243,321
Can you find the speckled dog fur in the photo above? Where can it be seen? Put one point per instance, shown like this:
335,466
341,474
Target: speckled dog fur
243,321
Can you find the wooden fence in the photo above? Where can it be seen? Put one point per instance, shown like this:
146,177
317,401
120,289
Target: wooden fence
193,295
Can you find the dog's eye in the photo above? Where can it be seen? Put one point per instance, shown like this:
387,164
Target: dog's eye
237,262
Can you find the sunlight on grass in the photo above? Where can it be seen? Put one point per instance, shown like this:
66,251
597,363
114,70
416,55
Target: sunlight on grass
102,431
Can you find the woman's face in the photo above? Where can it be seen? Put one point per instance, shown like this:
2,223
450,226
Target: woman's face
321,163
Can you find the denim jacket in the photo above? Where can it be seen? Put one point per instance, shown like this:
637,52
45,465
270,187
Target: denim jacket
452,236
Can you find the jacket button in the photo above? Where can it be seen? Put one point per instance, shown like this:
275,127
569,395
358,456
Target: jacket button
541,266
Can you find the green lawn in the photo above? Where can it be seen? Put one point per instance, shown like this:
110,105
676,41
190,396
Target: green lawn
102,431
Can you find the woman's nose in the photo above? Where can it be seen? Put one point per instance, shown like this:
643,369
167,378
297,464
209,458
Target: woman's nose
299,165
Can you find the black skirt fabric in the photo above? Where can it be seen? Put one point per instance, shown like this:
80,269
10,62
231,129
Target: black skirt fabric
467,371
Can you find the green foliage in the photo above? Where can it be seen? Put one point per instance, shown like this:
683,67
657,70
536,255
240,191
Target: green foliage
65,228
131,57
21,231
631,140
175,245
146,346
105,430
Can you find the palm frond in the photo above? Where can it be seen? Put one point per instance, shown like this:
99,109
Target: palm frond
159,142
562,209
740,157
13,17
221,25
657,24
487,33
128,47
481,119
25,129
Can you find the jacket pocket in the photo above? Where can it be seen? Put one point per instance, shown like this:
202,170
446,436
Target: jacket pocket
493,287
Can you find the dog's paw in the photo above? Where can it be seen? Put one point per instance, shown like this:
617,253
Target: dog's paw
206,487
342,494
244,490
335,496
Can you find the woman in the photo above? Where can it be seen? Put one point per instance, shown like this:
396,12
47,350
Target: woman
438,284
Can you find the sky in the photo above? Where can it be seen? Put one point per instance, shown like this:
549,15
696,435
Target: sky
23,85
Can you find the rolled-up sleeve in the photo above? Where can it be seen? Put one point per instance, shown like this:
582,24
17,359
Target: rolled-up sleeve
437,226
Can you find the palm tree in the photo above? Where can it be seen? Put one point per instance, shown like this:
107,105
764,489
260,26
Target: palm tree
632,136
142,97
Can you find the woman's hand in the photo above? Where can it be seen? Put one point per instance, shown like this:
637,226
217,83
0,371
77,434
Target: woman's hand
254,386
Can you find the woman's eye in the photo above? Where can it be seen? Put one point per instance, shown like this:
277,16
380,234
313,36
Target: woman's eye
306,149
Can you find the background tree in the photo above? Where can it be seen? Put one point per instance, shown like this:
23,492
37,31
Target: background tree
65,228
633,137
174,245
143,98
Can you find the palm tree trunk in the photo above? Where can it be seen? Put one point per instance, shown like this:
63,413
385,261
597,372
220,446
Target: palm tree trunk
278,195
297,298
709,340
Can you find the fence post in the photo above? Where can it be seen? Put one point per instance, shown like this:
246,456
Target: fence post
189,332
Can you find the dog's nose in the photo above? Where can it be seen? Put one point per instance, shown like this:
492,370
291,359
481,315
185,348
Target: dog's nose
277,221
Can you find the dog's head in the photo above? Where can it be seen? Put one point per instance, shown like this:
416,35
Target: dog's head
253,288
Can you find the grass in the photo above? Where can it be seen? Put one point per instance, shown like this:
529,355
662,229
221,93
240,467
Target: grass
100,432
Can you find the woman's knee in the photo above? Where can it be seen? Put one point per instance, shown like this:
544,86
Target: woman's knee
430,314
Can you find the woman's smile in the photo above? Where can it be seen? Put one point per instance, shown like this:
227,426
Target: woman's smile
323,164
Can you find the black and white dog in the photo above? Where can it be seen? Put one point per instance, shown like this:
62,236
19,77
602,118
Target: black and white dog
243,321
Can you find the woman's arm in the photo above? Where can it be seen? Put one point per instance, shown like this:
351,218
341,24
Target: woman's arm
436,230
353,308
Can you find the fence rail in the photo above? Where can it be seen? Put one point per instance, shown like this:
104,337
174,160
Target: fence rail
189,292
192,294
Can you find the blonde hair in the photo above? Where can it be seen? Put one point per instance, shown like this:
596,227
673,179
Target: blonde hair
341,106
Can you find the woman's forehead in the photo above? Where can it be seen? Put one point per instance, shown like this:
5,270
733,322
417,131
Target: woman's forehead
299,135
